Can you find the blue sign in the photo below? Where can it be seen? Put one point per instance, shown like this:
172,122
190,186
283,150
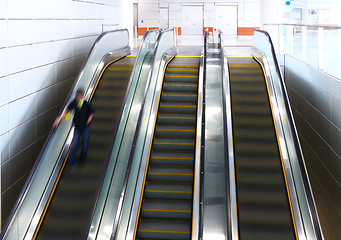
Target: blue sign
288,3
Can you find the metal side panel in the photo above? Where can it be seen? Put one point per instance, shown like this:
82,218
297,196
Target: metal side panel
215,178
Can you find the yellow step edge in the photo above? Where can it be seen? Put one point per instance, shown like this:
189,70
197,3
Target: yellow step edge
174,158
120,65
177,70
180,85
179,95
179,117
240,56
187,56
158,231
172,174
163,191
178,106
164,210
172,166
165,143
171,76
175,130
182,66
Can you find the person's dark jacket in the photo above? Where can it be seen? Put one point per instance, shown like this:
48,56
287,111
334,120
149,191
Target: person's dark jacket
81,115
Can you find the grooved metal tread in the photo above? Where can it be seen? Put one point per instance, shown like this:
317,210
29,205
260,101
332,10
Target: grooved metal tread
166,210
263,207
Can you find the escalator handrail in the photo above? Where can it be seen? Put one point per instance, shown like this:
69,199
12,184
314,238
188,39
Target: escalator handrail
298,150
137,134
52,134
118,123
228,139
202,140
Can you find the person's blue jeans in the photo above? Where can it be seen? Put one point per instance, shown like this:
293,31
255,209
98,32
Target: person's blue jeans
76,137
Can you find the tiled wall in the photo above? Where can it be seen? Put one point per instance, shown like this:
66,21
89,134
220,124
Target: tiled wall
316,103
42,47
148,11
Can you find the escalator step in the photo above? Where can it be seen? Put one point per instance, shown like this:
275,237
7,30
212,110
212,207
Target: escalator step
177,118
164,229
168,158
263,211
167,208
170,173
168,190
174,131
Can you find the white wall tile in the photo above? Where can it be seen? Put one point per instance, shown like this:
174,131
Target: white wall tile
90,13
63,49
175,22
45,30
45,9
3,119
209,6
21,137
20,9
3,9
78,28
46,99
21,84
4,90
3,62
175,15
45,53
4,147
63,9
148,16
80,46
147,22
148,7
4,33
21,32
65,69
78,10
100,11
21,111
91,26
20,58
45,76
174,7
78,62
63,29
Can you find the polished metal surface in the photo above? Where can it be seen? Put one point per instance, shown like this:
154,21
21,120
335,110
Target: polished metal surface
112,216
215,213
232,198
161,58
196,191
103,220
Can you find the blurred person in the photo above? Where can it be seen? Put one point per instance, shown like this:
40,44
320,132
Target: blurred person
83,114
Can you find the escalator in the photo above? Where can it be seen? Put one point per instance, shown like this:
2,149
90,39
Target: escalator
264,208
166,206
71,206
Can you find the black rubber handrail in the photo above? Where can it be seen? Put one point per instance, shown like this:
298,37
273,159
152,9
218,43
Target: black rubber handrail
202,149
225,127
299,154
